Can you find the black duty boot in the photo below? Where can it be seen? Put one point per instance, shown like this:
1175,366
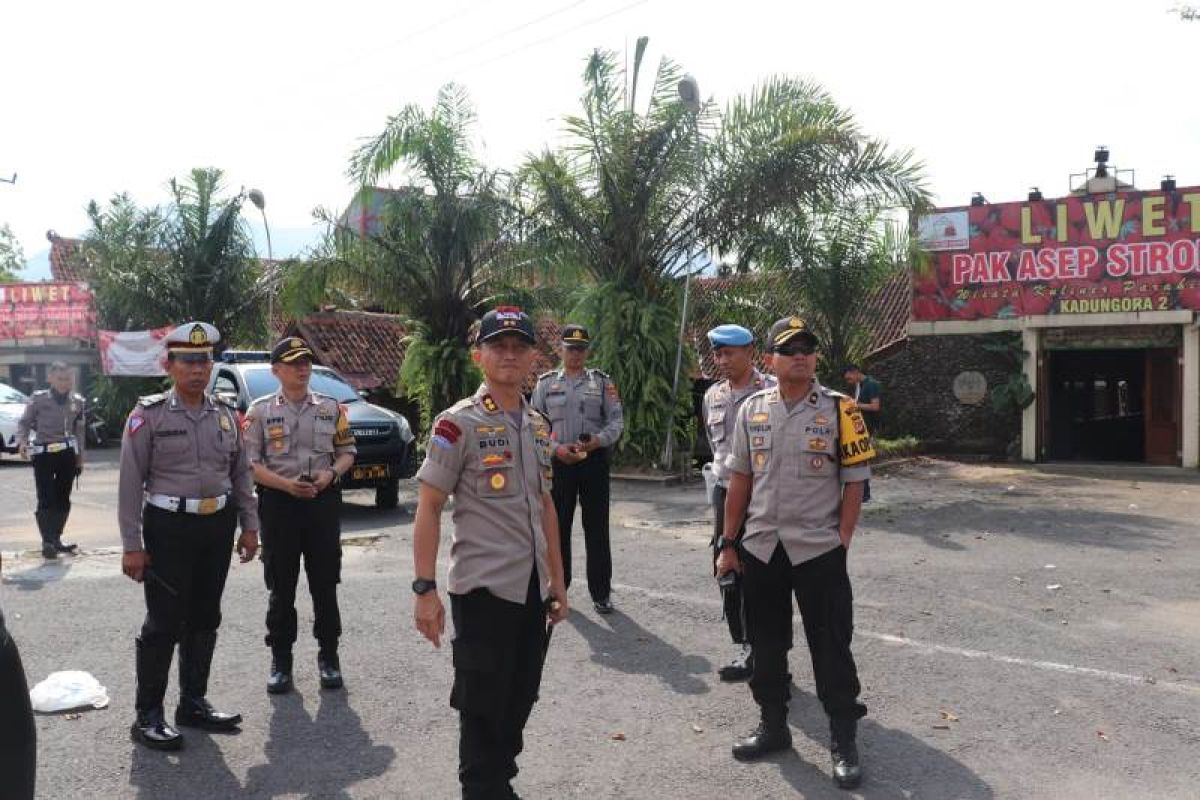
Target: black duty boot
280,680
847,773
329,668
60,523
740,668
45,523
153,670
195,659
771,736
152,730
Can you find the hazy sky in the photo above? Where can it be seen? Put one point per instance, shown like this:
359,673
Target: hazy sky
994,97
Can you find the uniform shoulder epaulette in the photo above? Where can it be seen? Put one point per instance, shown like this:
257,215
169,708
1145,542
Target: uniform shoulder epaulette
834,393
152,399
40,393
461,405
266,398
538,414
761,393
601,373
325,398
547,374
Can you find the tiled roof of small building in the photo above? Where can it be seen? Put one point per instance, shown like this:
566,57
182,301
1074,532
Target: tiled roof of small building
67,262
365,347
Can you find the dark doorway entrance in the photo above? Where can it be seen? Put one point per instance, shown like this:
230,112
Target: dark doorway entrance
1097,405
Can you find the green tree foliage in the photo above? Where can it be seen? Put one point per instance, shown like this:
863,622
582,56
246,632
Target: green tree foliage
442,243
12,257
191,259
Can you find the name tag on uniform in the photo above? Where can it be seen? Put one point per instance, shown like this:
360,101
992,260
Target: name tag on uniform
762,416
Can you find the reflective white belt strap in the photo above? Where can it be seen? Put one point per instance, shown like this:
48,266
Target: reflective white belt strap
53,447
188,505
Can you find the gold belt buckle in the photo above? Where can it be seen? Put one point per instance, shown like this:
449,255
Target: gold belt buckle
208,505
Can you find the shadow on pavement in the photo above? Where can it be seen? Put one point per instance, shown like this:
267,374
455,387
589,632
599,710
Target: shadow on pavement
197,771
35,577
627,647
895,764
317,757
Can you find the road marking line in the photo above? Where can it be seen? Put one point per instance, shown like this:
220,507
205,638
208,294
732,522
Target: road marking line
962,652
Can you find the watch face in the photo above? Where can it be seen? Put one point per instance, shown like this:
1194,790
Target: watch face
422,585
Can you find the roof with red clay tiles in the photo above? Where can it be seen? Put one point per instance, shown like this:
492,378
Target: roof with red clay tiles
67,262
365,347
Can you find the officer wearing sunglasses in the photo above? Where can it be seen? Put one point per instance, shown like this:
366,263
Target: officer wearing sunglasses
799,458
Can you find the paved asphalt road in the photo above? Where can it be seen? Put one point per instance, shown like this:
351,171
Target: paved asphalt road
1021,634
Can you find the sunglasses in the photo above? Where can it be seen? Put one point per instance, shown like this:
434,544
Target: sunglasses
796,350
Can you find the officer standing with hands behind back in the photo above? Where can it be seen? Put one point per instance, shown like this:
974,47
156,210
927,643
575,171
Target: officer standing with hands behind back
185,484
800,456
56,416
584,409
300,444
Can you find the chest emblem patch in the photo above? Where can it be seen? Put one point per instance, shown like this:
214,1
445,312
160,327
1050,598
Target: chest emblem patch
497,481
760,459
821,419
761,416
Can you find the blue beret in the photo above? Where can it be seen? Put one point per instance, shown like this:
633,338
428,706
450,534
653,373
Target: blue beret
730,336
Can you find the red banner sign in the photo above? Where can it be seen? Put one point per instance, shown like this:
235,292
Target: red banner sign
46,310
1118,252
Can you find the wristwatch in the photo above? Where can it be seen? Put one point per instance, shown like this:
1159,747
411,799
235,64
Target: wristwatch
423,585
724,542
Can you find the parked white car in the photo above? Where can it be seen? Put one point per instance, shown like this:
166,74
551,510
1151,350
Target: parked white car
12,406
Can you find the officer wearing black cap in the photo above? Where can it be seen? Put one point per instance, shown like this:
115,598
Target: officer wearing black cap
584,408
299,444
492,452
185,485
800,455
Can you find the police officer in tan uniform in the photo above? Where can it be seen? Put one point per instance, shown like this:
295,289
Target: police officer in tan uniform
300,444
733,352
800,454
56,416
585,412
492,452
185,484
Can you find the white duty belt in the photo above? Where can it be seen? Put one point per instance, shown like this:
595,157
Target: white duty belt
188,505
54,447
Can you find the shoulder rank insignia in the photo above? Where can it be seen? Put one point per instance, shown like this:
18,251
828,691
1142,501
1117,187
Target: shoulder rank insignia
489,405
151,400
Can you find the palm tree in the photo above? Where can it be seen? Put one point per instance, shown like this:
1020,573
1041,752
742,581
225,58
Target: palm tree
440,245
620,200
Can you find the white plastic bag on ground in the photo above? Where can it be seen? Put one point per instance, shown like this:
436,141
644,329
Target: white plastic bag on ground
63,691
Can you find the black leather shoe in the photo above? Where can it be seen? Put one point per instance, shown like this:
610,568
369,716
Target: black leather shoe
196,712
771,736
65,548
604,606
279,681
741,668
153,731
49,550
847,773
330,670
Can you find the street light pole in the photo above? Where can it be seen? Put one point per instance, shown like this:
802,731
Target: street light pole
260,202
689,95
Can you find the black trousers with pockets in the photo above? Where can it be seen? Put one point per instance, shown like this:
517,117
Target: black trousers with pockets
293,529
18,735
499,649
586,481
822,590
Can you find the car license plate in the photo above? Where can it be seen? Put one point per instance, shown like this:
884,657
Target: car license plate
366,473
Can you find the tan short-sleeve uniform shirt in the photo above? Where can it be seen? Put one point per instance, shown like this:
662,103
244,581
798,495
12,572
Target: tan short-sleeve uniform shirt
498,470
793,459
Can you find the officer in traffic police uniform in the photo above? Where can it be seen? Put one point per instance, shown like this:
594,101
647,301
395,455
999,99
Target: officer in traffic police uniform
800,454
492,452
300,444
185,484
584,408
55,415
733,352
